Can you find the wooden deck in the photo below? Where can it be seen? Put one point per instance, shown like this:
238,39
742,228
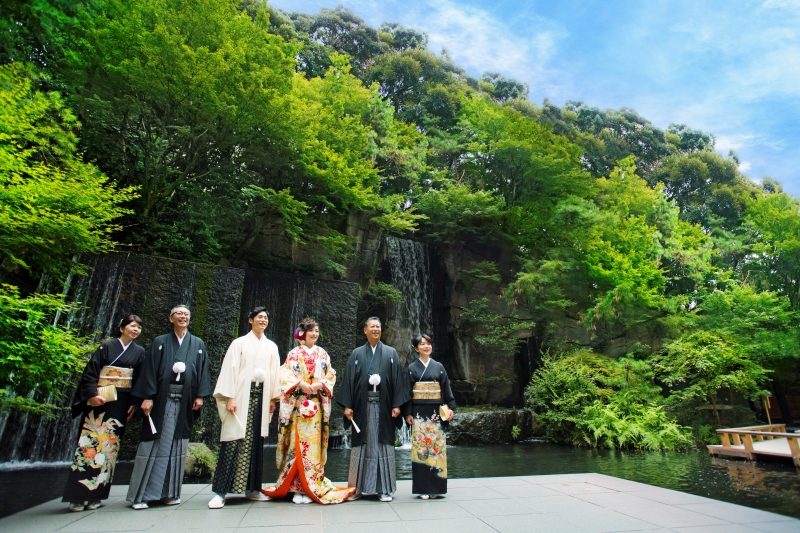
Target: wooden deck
753,441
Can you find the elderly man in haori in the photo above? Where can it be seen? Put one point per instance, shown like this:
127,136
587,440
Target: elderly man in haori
373,391
172,386
246,391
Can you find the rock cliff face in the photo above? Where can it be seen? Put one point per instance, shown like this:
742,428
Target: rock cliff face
438,288
491,426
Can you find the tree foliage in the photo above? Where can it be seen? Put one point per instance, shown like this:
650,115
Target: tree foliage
53,206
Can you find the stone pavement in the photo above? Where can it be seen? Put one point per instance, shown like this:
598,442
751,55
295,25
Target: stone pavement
554,503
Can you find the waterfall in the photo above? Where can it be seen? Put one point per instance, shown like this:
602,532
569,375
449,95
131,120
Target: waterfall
404,437
410,273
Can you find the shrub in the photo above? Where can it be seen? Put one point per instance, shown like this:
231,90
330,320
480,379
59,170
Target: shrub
201,461
584,398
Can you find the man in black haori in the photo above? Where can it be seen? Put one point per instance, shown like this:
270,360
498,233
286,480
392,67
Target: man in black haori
172,386
373,391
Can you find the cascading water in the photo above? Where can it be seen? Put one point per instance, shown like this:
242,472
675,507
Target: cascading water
404,437
410,273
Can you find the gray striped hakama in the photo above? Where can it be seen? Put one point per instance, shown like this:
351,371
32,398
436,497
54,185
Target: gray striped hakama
158,470
372,468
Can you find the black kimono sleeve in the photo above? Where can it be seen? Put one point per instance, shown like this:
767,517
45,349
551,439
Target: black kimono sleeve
146,386
203,377
344,396
447,391
87,387
400,385
411,378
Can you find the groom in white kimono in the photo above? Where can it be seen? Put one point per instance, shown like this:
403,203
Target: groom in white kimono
246,390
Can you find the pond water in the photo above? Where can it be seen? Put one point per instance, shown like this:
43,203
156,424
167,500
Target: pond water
769,486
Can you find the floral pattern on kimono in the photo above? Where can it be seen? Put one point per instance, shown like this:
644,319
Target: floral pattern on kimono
428,444
98,446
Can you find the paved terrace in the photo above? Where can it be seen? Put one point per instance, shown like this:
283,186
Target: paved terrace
555,503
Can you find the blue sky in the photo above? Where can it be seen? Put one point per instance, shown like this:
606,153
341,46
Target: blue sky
727,67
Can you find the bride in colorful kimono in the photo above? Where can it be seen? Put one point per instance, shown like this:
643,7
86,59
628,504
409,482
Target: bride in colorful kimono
306,382
432,405
103,397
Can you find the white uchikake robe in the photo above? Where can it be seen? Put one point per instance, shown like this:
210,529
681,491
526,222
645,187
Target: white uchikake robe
244,356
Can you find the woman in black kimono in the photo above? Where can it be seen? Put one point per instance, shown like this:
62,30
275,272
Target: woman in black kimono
110,373
432,405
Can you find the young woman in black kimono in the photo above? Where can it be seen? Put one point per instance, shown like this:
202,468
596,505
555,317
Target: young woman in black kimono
115,363
432,405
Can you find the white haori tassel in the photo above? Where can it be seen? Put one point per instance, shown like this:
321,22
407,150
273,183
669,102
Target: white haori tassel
375,380
179,368
259,375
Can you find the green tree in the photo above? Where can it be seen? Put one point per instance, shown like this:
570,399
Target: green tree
772,226
401,38
609,136
454,212
708,189
502,88
179,98
53,206
608,257
702,365
344,32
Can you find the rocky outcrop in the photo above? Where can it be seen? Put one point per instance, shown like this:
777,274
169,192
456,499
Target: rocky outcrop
494,426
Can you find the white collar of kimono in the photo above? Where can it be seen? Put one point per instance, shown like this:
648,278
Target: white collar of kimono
256,337
180,338
425,363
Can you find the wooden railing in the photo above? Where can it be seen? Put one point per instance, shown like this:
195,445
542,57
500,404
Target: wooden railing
744,442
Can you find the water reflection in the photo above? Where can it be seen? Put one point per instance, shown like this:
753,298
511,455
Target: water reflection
769,486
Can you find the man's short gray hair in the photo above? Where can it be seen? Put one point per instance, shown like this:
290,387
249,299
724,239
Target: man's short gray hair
372,319
179,306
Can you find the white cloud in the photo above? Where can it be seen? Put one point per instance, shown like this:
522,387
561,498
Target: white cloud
480,42
726,143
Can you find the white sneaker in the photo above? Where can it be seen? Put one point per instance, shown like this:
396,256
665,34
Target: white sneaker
94,504
386,498
139,506
217,502
298,498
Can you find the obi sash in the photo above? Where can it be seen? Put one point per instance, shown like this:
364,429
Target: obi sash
121,378
426,390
